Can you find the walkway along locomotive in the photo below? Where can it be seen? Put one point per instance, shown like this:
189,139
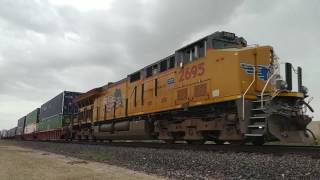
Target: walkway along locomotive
215,89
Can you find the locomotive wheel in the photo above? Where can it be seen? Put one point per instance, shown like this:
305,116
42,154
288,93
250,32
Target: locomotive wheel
219,142
258,141
77,137
196,142
91,138
169,141
84,137
239,143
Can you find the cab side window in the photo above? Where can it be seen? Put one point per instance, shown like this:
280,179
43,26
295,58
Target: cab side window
193,52
201,50
149,72
155,69
172,62
135,77
163,65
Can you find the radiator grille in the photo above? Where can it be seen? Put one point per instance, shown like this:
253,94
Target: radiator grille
182,94
200,90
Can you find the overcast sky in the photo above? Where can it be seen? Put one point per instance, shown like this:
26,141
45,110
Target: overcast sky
47,46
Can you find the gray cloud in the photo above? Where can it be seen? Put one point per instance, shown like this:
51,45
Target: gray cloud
37,16
47,48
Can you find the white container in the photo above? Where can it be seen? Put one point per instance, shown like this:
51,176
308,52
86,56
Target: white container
30,128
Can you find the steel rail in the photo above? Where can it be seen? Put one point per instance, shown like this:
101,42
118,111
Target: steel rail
313,151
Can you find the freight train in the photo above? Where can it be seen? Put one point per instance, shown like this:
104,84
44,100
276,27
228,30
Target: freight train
215,89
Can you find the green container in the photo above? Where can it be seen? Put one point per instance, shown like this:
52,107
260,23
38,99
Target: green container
33,117
54,122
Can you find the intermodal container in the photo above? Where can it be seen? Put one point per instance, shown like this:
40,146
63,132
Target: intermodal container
12,132
30,128
61,104
31,121
3,134
33,117
54,122
21,125
57,112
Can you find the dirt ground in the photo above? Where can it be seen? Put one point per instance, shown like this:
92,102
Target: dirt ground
20,163
314,126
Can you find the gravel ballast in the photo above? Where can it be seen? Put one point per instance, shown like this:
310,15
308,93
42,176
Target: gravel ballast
187,164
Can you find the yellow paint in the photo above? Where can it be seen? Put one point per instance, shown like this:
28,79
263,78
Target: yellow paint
292,94
222,80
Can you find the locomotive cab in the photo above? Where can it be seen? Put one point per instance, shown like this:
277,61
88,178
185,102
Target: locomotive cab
267,107
217,40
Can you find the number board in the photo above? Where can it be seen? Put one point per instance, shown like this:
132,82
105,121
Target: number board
192,72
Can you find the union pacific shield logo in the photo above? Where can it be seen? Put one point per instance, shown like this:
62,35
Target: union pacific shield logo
248,68
263,70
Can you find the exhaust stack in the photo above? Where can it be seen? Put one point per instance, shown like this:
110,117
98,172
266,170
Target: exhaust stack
289,76
300,89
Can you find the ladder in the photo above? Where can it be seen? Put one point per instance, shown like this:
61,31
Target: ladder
257,126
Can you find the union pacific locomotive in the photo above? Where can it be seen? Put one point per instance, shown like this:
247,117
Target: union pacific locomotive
215,89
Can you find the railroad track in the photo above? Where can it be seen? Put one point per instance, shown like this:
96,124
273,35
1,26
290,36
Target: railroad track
313,151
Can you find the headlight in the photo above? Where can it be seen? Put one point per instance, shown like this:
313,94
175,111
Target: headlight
305,90
281,84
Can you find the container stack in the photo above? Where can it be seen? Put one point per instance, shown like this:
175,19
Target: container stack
20,127
57,112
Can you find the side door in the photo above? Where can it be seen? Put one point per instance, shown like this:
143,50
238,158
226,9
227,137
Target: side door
134,94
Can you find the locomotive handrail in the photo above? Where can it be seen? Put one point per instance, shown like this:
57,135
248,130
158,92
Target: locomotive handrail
265,86
244,94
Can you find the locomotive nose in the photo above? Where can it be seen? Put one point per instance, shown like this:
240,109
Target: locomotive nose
289,129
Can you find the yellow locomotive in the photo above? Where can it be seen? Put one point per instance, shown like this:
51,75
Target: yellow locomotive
215,89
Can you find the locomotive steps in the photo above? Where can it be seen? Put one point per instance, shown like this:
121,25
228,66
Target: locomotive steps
257,124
